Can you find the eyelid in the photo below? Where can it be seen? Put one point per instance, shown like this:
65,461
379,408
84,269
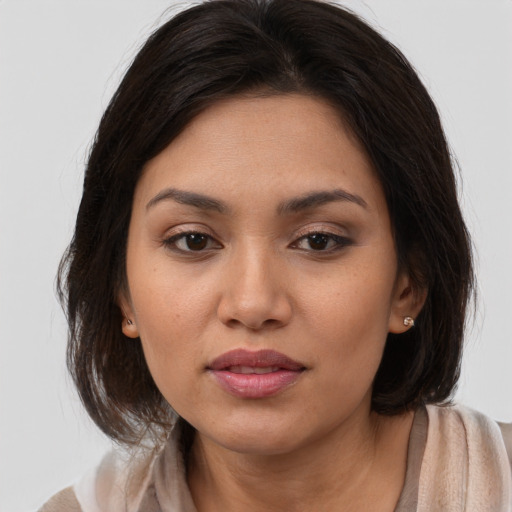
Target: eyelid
184,229
340,240
172,235
327,229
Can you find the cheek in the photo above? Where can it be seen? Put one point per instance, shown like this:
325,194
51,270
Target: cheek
169,304
350,302
171,354
164,322
349,319
172,312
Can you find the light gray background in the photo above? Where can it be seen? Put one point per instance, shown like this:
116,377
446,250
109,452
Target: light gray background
60,61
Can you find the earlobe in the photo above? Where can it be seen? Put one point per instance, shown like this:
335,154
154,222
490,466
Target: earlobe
407,304
129,328
128,325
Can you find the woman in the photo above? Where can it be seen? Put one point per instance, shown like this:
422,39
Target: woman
269,276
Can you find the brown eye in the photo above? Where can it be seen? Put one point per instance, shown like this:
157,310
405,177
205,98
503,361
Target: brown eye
318,241
191,242
196,241
321,242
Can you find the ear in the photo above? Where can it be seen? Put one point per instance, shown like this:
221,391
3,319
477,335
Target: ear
128,325
407,302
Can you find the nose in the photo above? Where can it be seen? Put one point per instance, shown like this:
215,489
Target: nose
255,293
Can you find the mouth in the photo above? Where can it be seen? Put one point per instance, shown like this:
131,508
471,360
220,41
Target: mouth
247,370
260,374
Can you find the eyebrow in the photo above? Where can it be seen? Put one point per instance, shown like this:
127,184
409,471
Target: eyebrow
316,199
188,198
293,205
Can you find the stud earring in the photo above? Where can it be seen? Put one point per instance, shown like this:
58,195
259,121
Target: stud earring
409,321
129,322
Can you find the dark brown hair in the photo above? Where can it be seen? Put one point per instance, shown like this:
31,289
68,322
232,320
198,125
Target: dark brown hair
223,48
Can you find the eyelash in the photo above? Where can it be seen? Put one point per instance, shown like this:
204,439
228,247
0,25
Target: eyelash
172,241
340,242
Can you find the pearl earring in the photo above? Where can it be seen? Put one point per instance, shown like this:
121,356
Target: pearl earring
409,321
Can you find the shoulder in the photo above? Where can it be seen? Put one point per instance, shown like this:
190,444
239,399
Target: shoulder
506,432
465,459
475,427
64,501
120,482
131,479
474,424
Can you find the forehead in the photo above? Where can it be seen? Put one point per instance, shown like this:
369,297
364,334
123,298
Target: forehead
281,146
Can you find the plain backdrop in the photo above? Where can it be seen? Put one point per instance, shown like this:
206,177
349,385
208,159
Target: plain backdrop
60,61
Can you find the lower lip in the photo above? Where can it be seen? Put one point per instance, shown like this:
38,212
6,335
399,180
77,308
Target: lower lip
255,385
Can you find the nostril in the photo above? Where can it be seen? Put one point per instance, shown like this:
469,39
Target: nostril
269,323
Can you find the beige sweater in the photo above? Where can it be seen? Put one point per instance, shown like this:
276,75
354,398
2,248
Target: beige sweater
458,460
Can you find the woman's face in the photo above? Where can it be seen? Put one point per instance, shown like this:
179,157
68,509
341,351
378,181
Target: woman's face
262,274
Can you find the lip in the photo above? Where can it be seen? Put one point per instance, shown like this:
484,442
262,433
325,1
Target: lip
280,372
256,359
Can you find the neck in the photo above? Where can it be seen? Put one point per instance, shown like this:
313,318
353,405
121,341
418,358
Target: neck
358,466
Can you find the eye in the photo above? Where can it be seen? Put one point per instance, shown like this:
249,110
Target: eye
191,241
321,242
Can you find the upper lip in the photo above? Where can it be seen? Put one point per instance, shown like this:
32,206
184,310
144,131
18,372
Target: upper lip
256,359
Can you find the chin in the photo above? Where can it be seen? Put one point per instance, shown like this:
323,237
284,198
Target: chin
264,443
258,434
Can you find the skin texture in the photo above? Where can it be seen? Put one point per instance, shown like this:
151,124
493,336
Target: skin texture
256,281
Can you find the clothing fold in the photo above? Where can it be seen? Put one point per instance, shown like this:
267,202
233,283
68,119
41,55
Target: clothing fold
458,460
465,466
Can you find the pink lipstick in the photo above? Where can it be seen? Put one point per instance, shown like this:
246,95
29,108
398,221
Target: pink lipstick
259,374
